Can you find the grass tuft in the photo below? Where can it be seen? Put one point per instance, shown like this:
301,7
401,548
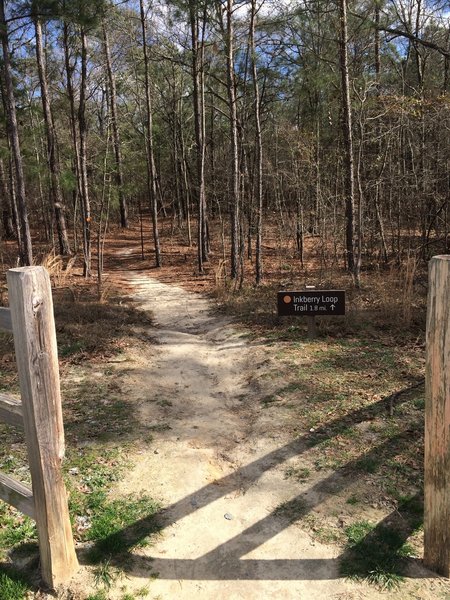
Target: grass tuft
100,595
13,585
119,525
375,554
105,575
17,529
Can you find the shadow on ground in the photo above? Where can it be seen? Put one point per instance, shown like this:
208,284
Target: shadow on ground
403,521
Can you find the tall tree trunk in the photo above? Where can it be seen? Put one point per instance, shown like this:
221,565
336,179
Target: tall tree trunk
7,220
184,174
199,125
12,187
73,126
446,78
25,248
259,149
84,185
52,156
377,44
9,209
353,262
234,150
115,130
46,216
378,212
151,167
205,230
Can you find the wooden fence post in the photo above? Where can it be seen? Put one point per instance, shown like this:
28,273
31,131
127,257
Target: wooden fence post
437,420
312,325
31,306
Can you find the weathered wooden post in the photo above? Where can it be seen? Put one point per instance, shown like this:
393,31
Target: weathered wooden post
312,325
437,420
37,362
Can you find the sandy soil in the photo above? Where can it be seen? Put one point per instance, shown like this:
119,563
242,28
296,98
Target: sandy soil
218,466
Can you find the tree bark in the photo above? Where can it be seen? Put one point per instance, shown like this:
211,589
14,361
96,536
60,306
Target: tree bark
25,247
73,126
7,219
353,263
115,130
151,167
84,185
52,155
234,150
199,125
259,149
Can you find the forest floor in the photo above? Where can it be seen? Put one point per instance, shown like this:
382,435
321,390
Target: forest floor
212,456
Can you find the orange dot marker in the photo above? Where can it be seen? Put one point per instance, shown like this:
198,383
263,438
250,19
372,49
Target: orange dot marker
287,299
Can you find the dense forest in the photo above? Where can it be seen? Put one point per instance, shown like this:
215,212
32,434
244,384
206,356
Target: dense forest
323,118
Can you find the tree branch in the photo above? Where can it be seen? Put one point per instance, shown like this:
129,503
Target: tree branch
405,34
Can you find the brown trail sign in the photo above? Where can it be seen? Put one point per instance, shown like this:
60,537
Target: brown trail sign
311,303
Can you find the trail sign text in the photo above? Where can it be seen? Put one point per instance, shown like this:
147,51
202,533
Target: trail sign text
311,303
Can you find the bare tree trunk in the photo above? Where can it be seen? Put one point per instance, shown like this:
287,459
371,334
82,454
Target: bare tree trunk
178,214
47,220
151,167
52,156
25,248
445,81
199,121
185,183
259,149
84,186
103,215
9,208
377,44
12,187
205,228
353,263
115,130
232,105
378,213
7,220
71,96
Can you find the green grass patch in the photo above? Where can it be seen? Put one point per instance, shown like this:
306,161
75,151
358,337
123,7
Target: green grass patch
16,529
353,500
119,525
375,554
368,464
70,349
297,473
13,585
96,410
293,510
90,475
100,595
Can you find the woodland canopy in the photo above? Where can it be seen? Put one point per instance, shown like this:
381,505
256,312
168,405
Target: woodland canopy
327,118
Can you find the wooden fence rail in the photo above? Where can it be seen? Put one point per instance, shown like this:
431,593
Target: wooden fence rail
11,410
30,318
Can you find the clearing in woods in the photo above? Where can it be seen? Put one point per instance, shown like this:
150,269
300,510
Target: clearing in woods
244,507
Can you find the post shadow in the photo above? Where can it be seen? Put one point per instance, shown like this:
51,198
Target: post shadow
229,554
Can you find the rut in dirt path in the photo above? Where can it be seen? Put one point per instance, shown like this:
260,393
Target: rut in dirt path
197,377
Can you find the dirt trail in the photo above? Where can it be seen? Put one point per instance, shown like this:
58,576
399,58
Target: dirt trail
217,466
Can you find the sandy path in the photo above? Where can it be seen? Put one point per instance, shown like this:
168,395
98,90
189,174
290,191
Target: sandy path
217,466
